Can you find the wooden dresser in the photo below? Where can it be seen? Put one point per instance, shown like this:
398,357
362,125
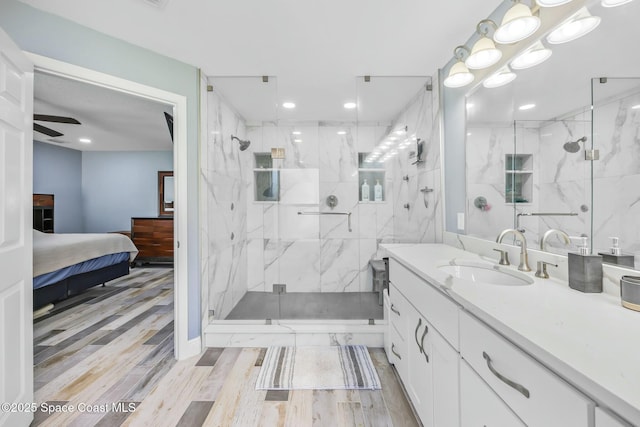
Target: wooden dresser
154,239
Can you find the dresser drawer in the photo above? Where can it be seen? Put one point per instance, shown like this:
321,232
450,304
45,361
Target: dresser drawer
438,309
537,395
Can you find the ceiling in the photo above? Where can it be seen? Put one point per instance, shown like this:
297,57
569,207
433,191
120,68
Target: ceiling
313,50
112,120
317,52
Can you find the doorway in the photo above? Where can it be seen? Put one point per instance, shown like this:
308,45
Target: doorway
183,346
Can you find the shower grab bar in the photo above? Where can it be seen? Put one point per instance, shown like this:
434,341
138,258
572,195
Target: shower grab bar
519,214
348,214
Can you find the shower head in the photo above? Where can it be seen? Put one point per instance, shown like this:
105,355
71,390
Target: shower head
574,146
244,144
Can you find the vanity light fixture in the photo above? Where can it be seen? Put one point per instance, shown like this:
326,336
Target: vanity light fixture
459,74
575,27
288,105
531,57
614,3
552,3
500,78
517,24
85,140
350,105
526,107
484,52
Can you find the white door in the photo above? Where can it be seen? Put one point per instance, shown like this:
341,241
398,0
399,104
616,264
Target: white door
16,294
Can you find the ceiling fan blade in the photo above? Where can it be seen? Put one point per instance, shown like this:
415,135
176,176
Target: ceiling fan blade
169,119
46,130
57,119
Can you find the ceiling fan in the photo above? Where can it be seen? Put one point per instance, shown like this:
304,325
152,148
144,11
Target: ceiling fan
56,119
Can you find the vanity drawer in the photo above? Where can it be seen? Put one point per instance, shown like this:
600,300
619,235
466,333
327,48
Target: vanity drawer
438,309
537,395
479,405
398,312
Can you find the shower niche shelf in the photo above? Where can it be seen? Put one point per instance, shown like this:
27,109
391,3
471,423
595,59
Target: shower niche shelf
373,173
518,187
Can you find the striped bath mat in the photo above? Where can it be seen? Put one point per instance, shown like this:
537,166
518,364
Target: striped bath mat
346,367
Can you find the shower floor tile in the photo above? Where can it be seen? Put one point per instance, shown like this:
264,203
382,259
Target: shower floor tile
307,305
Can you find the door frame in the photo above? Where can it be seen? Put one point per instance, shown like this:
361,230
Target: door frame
183,347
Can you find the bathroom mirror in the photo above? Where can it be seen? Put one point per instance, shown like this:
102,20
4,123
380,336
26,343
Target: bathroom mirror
165,193
532,161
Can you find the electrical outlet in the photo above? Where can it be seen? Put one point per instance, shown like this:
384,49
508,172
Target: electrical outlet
279,288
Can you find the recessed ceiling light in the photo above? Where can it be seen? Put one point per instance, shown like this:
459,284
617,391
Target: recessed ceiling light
288,105
349,105
526,107
470,105
296,132
297,140
84,140
342,132
535,55
399,132
635,107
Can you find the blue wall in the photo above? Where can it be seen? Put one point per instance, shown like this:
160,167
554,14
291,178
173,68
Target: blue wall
58,171
55,37
118,185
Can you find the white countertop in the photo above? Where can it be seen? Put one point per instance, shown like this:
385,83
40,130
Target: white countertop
588,339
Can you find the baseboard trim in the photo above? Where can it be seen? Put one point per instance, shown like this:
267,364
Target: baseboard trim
192,348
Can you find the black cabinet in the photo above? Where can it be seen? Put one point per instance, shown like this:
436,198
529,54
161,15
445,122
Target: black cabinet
43,212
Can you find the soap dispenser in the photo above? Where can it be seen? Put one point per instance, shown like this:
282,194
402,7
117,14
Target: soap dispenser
615,255
585,270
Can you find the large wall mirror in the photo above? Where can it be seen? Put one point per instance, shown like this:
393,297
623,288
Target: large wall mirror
529,168
165,193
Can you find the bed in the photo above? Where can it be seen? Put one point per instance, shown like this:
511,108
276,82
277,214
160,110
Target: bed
67,264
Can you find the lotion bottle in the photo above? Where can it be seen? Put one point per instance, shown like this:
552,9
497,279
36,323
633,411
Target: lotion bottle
585,270
377,191
365,191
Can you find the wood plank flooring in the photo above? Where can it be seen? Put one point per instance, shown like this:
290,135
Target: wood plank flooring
109,353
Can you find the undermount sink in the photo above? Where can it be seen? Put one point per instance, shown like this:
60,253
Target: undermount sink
481,272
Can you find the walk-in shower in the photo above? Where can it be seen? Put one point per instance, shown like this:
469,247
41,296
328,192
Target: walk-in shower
290,230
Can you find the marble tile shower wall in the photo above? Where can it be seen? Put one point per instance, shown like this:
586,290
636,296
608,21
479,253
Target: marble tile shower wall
225,173
418,215
486,148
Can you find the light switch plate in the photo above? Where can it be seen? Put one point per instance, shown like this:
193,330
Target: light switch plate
460,220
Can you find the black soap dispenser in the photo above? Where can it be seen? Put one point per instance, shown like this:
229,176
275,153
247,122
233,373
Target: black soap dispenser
615,255
585,270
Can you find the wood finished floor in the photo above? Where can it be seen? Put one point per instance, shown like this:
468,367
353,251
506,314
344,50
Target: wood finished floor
114,345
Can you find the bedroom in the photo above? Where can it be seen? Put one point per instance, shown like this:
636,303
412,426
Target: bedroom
100,186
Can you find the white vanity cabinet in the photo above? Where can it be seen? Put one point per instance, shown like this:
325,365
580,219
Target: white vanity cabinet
479,405
605,419
430,370
535,394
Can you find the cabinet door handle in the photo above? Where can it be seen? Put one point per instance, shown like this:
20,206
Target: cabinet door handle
426,329
395,310
415,335
393,346
504,379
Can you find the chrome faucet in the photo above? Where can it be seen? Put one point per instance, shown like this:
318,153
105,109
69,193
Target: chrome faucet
524,257
541,271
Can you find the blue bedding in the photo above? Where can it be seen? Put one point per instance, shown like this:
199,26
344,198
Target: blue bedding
89,265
